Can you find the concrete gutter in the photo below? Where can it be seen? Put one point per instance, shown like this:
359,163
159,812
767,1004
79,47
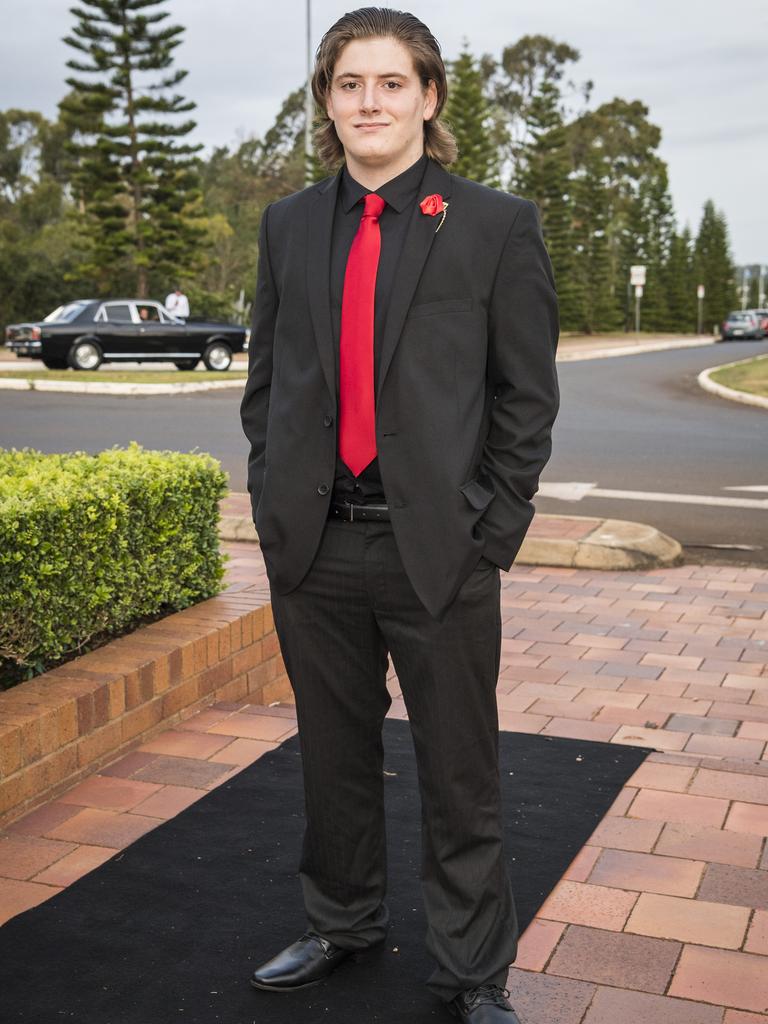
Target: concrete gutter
593,543
706,382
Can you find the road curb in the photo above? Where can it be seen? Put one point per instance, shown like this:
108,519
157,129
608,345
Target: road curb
614,544
706,382
95,388
576,356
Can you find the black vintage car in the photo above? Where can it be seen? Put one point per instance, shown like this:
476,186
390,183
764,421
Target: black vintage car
87,332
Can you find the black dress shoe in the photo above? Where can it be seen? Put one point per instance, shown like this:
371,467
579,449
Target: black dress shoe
306,962
486,1004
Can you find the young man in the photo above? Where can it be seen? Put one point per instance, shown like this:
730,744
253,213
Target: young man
399,405
177,303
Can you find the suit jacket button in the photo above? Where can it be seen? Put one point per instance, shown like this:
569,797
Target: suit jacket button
327,420
323,489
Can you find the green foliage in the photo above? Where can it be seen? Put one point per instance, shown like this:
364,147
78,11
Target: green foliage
134,177
544,176
91,544
714,267
469,115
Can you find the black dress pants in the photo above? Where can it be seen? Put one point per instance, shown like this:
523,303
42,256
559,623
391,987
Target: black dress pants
336,629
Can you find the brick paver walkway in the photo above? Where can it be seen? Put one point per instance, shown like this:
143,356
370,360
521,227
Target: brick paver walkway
663,916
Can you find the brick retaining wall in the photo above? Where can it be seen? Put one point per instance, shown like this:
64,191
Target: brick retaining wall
64,724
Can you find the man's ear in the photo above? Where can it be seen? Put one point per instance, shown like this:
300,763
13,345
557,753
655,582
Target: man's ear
329,105
430,100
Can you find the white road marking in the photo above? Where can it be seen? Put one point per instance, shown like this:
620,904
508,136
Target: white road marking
576,491
757,488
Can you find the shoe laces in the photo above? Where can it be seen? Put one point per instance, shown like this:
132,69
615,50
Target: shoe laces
495,995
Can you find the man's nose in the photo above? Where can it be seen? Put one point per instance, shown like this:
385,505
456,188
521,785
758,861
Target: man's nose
369,99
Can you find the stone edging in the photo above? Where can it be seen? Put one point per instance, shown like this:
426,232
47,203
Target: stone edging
706,382
62,725
613,544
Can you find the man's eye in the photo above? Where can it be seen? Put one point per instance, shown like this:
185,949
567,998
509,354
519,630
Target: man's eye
393,85
349,86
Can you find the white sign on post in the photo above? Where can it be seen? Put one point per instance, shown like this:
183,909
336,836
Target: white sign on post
700,292
637,275
638,291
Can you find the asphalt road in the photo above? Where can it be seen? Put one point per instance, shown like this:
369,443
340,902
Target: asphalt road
642,423
631,423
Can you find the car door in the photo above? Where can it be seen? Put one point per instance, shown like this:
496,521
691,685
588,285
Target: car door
160,336
116,329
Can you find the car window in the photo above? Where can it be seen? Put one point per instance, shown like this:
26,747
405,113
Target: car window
118,312
65,313
148,312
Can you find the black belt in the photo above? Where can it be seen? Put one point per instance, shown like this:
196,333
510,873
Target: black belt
350,513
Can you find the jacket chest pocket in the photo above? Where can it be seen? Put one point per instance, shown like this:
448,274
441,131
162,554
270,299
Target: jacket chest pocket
440,306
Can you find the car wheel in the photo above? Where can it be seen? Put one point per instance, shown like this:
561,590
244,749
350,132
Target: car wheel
185,364
52,363
217,356
85,355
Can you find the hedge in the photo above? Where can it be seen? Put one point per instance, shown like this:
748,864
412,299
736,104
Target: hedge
92,544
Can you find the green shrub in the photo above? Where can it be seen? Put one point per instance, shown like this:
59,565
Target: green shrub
90,545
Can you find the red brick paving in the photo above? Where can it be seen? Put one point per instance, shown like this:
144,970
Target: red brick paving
662,918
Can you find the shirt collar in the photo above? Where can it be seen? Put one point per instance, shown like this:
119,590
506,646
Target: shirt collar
398,192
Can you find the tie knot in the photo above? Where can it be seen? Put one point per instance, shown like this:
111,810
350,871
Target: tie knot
374,206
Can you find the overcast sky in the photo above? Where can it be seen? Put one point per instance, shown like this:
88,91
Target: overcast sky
700,65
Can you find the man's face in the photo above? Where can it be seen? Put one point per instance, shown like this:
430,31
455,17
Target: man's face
378,105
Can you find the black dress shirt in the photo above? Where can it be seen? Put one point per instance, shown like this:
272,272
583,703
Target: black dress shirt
399,194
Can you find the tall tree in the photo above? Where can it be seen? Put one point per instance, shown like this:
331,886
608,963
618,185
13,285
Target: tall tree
544,176
592,265
136,178
679,285
714,267
470,116
627,141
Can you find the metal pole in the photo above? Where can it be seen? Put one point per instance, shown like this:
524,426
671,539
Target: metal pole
637,313
308,103
700,316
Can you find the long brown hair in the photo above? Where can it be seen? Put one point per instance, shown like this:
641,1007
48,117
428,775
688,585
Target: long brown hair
404,28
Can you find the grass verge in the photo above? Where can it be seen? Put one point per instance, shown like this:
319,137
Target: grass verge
750,376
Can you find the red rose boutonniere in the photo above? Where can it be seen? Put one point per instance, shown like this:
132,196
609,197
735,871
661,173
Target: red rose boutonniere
432,205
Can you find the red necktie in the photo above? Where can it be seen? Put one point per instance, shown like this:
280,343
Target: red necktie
357,417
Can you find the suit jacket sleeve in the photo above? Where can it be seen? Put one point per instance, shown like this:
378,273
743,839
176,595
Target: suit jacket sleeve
523,333
254,407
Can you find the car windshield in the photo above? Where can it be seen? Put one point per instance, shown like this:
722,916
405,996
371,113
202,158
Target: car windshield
66,313
740,316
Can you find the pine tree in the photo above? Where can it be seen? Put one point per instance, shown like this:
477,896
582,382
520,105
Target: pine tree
543,175
136,180
654,245
469,114
678,284
714,267
591,211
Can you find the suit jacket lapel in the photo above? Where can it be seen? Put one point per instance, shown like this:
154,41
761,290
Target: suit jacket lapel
319,275
418,243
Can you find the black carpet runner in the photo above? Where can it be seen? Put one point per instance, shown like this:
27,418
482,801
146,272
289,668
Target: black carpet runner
170,929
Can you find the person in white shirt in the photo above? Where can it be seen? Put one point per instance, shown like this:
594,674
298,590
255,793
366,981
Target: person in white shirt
177,304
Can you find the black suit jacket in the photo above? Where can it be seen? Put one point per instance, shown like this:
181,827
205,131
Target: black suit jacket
467,389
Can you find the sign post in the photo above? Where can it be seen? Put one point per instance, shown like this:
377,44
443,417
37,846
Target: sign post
637,278
700,292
